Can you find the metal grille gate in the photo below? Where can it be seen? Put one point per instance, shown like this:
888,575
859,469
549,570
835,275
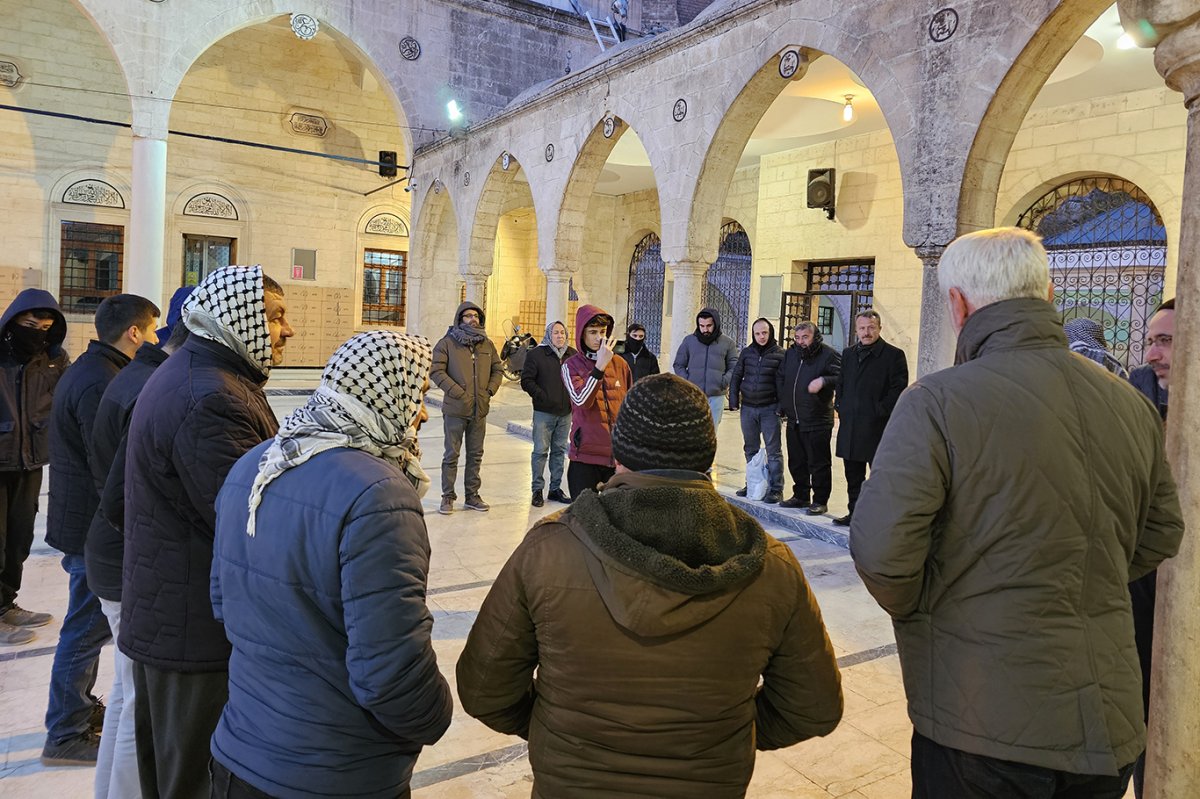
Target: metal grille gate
646,276
1108,251
727,287
836,292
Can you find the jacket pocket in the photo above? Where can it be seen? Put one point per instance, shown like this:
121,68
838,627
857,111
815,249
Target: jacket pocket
577,437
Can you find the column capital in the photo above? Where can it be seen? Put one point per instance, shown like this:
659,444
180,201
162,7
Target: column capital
930,254
1173,28
559,275
696,268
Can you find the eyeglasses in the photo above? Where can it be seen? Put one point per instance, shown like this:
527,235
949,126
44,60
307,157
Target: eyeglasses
1162,340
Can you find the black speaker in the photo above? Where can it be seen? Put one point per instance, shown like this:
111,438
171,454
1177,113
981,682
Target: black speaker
387,163
821,184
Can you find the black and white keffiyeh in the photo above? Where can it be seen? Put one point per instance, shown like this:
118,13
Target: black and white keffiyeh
369,399
228,308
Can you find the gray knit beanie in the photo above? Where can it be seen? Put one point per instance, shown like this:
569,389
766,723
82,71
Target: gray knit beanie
664,423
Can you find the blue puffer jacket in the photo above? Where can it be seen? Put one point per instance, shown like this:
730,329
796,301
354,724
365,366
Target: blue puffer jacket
333,683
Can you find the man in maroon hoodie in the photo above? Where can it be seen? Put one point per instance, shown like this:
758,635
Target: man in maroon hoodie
596,384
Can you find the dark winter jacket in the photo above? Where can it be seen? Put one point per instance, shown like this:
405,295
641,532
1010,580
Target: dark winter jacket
105,547
643,363
541,378
866,395
650,611
707,366
73,496
1145,381
595,395
754,376
469,376
26,389
808,412
199,412
333,682
1012,500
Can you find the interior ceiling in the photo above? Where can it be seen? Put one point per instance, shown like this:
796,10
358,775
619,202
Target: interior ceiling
809,111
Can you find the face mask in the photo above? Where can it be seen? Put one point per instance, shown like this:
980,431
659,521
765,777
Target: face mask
26,342
633,346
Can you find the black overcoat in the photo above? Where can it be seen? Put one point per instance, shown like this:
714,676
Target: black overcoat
866,396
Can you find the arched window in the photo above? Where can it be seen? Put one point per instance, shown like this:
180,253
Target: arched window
728,286
1108,252
646,275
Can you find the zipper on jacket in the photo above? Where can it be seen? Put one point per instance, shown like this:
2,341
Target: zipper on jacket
474,386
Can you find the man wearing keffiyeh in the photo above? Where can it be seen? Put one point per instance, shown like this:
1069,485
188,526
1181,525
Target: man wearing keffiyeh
197,414
319,572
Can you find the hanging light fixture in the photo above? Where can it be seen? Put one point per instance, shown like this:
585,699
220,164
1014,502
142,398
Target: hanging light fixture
1126,42
848,110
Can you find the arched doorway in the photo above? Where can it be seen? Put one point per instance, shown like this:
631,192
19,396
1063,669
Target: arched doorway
1108,252
727,288
647,274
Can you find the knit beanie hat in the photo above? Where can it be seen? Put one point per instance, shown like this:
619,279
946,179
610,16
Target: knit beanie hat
664,423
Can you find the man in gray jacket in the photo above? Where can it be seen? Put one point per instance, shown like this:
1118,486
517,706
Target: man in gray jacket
1012,499
467,368
706,359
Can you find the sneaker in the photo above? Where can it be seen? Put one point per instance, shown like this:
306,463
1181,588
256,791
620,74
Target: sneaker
447,506
843,521
15,636
475,503
816,509
18,616
537,500
558,496
96,720
78,751
741,492
792,502
773,497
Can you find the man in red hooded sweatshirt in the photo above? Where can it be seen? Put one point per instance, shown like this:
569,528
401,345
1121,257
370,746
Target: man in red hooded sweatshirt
596,384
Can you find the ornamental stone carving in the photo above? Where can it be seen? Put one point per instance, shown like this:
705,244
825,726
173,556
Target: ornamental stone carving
387,225
210,205
309,124
10,75
93,192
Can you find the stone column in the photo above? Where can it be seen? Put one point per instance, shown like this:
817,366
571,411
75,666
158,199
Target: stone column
477,289
558,282
413,287
935,346
1173,755
687,298
144,248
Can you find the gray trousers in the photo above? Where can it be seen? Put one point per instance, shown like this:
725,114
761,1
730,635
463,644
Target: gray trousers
457,428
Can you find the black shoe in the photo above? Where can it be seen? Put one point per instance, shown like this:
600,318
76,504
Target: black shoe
792,502
537,500
773,497
78,751
842,521
558,496
741,492
816,509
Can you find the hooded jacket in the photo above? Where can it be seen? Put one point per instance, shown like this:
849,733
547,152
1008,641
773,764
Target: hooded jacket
1012,500
469,375
73,496
541,378
27,389
650,611
595,395
642,363
753,380
707,366
808,412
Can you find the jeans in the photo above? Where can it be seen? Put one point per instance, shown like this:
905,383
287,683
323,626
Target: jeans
116,764
227,785
18,506
549,438
73,674
810,462
764,423
717,406
939,771
458,427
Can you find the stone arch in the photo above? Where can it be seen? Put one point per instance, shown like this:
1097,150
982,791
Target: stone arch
433,277
497,187
1010,104
436,218
646,299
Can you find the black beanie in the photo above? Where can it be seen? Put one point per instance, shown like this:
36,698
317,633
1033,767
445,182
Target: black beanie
664,423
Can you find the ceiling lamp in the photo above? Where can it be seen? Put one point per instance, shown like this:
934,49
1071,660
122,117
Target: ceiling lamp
848,110
1126,42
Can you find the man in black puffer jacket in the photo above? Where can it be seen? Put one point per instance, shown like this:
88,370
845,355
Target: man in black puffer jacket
197,414
806,381
123,322
754,386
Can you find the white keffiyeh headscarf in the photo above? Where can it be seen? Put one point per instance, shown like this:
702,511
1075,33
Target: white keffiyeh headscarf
369,398
228,308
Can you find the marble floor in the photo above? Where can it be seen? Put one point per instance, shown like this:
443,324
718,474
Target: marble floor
866,757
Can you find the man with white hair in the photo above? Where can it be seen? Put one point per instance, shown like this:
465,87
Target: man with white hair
1012,499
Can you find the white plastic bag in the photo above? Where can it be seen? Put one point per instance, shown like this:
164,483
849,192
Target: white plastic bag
757,482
